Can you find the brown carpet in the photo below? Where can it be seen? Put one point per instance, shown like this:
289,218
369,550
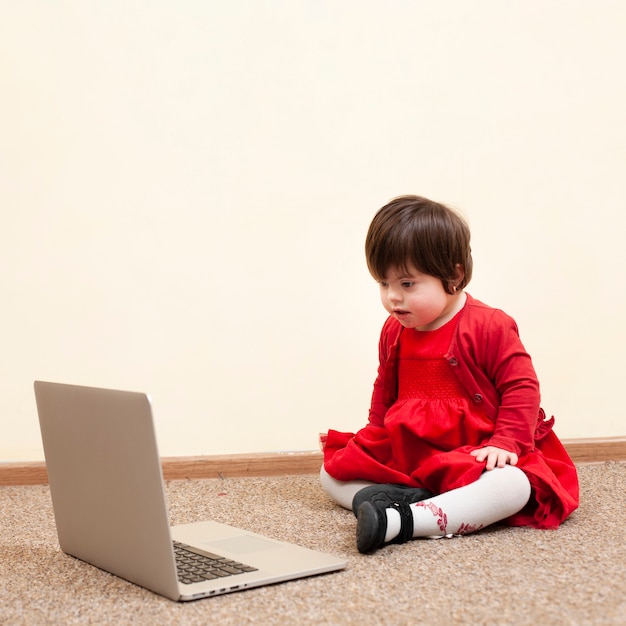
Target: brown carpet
575,575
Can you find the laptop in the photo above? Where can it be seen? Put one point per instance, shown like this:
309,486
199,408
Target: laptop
110,508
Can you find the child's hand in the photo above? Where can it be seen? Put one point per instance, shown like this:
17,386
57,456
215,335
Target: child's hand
495,457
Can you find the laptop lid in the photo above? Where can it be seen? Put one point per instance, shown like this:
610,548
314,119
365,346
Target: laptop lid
106,482
109,501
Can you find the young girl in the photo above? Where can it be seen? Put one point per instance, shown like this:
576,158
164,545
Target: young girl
456,439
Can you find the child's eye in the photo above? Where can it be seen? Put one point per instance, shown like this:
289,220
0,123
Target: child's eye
383,283
407,285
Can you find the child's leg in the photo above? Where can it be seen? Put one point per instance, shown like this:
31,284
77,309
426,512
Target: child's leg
496,495
353,493
341,492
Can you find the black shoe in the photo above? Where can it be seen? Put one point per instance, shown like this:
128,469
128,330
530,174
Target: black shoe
372,524
389,494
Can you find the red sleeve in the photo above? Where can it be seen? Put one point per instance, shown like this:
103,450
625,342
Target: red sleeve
510,368
381,397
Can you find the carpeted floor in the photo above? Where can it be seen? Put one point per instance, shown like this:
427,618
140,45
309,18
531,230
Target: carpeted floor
576,575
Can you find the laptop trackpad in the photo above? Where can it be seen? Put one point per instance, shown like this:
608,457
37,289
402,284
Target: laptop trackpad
242,544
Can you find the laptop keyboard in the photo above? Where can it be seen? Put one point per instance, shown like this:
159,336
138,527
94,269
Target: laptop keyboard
196,565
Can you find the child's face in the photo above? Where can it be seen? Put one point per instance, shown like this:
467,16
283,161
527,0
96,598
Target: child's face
416,300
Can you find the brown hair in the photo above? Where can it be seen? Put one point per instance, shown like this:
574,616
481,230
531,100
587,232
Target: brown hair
411,230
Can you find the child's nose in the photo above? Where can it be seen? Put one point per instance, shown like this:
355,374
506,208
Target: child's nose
394,295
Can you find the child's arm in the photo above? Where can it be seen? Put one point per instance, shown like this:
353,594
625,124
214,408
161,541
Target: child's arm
382,396
509,368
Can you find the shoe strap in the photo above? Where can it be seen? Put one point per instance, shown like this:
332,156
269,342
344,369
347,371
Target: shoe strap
406,522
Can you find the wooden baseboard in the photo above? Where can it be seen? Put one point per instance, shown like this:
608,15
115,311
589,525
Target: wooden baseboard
596,450
285,463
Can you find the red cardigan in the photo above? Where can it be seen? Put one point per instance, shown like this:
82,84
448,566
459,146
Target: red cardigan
488,357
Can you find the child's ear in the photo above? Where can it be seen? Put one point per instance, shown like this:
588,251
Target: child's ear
460,273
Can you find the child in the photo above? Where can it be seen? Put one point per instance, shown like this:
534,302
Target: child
456,439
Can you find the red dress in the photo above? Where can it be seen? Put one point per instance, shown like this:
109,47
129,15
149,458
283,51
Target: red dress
430,429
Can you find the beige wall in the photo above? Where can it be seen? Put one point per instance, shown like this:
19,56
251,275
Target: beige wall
185,188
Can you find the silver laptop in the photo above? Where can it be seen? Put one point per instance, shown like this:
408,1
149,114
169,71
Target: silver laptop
110,508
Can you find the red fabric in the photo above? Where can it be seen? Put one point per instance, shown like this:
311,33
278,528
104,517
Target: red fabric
492,398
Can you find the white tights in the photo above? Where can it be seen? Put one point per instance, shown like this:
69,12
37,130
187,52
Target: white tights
496,495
